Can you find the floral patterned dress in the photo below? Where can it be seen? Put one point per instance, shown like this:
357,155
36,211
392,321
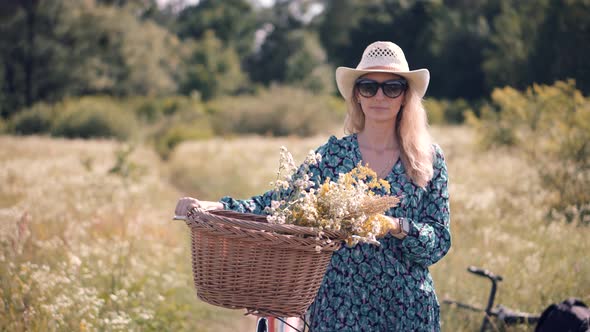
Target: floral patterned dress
385,288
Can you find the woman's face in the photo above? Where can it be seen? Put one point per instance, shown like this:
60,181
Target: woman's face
380,107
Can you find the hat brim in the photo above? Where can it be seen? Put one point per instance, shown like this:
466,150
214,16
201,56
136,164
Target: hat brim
345,78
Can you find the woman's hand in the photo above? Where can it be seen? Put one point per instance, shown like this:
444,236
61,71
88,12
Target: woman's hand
395,227
185,204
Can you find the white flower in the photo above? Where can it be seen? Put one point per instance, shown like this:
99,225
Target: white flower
74,260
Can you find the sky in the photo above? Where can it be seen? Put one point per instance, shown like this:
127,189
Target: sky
312,11
162,3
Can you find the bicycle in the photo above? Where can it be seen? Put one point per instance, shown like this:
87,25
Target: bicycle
498,312
267,324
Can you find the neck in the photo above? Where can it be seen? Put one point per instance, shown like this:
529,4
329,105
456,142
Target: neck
378,135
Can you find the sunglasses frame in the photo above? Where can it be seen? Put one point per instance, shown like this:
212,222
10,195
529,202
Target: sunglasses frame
381,85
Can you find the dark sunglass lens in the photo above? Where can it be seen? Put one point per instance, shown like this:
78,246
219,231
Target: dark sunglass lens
393,89
368,89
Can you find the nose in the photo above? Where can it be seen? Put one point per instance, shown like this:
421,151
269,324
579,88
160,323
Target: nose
379,93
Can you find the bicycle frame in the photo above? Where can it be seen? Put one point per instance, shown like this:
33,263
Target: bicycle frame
504,314
269,324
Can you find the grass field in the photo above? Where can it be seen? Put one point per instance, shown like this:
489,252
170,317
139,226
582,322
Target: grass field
88,244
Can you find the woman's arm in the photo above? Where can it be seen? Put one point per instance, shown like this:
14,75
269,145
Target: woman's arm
255,204
429,238
185,204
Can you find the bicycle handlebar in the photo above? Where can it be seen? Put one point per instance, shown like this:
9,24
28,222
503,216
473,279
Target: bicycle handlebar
484,273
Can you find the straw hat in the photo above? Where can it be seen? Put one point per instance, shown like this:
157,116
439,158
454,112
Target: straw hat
382,57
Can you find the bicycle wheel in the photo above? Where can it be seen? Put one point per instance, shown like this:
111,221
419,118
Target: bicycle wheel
262,325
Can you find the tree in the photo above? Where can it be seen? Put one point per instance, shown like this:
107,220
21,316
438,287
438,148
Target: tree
291,52
25,27
514,32
306,67
339,20
455,42
212,69
562,45
233,21
118,53
52,49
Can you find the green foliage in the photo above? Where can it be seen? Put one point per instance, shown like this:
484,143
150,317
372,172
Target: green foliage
278,111
28,55
448,41
339,19
551,126
435,111
470,48
212,69
111,45
293,57
35,120
562,48
446,111
452,48
91,117
52,49
148,112
124,166
233,21
185,125
152,110
305,66
513,41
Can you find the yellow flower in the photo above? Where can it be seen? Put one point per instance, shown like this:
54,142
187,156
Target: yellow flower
349,205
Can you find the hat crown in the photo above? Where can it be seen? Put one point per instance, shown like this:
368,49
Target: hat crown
383,54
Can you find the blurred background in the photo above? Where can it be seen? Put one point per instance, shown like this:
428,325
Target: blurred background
112,109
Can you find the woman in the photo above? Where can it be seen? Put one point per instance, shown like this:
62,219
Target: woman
385,288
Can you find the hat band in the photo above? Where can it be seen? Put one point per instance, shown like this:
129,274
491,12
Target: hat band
390,68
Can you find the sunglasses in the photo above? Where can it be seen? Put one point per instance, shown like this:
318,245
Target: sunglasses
392,89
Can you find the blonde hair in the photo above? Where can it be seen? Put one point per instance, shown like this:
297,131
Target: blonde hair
412,133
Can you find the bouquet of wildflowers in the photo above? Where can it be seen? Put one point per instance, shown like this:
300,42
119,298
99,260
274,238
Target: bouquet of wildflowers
346,205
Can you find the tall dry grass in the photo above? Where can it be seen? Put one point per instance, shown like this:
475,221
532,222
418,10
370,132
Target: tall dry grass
87,246
87,249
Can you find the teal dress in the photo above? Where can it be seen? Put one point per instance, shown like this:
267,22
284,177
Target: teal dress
385,288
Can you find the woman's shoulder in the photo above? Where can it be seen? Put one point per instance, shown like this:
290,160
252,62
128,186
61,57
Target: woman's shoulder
438,159
437,150
334,144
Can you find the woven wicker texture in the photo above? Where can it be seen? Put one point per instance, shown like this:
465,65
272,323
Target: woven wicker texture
242,262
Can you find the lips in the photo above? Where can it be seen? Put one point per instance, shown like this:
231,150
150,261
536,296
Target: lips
380,108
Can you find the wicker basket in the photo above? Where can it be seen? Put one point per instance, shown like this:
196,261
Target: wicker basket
242,262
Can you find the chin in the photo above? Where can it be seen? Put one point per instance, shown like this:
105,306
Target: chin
381,119
381,116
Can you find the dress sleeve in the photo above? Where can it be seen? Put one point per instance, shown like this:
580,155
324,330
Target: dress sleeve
429,238
257,204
